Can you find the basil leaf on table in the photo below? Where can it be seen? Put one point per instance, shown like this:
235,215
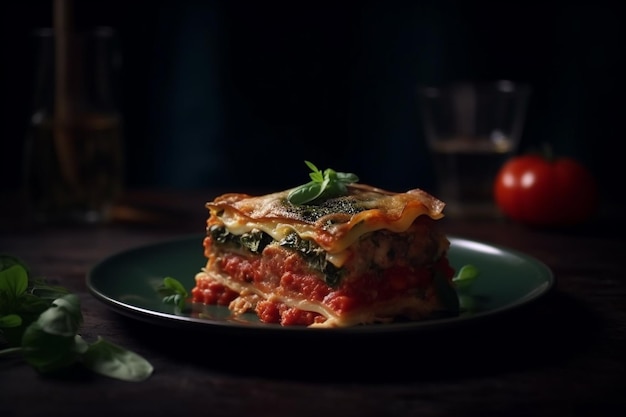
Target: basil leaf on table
41,322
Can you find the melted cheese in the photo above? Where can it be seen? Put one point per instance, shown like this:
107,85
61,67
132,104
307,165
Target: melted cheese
334,225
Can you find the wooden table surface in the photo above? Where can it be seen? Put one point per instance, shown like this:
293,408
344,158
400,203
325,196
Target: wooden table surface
562,355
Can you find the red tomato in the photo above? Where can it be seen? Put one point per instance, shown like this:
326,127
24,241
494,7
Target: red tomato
534,190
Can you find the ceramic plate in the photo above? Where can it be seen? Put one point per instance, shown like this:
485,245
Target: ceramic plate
127,281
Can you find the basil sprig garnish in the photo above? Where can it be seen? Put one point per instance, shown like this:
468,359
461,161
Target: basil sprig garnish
323,185
40,323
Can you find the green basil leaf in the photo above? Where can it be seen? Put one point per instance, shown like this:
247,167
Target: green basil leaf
45,351
173,292
467,303
326,184
63,318
80,345
114,361
32,304
14,281
316,175
347,178
47,292
305,193
465,277
10,320
175,286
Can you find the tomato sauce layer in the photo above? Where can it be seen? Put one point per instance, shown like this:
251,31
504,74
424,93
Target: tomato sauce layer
285,274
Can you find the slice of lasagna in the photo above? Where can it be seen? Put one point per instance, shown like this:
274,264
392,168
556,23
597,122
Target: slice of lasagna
364,256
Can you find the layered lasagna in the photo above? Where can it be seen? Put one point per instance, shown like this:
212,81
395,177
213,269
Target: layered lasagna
366,256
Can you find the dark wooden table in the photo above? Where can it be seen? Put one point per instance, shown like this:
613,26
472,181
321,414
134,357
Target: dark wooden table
563,355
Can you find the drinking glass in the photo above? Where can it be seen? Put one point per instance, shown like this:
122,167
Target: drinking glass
471,129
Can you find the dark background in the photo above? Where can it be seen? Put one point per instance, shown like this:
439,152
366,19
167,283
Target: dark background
239,93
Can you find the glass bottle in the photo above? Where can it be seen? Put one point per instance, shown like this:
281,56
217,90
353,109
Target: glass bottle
74,156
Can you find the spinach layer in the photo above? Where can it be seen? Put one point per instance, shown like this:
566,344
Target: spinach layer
256,240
